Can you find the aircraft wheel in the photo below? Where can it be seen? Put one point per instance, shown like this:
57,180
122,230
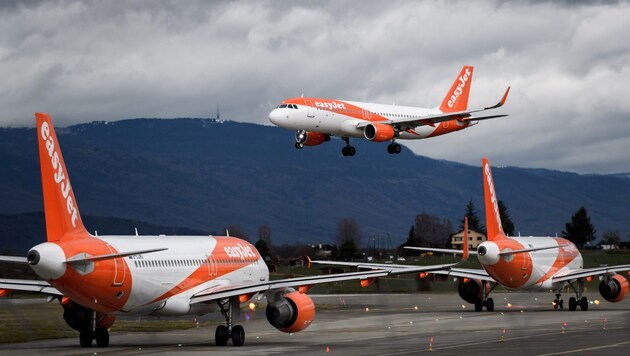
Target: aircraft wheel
561,304
490,304
478,305
238,335
85,338
390,149
351,151
222,335
299,145
555,303
584,303
102,337
397,148
572,304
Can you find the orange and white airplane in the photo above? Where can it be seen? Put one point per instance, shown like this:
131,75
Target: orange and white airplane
522,263
316,119
96,278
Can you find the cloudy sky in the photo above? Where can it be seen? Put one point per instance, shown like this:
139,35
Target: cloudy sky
568,63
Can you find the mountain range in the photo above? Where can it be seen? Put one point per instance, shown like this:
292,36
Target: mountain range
206,174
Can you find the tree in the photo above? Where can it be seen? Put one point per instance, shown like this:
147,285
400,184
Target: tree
611,237
236,231
429,231
349,237
349,230
263,249
473,220
580,230
264,233
506,219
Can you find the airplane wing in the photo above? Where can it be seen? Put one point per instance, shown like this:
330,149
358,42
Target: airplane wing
589,272
432,120
29,285
303,284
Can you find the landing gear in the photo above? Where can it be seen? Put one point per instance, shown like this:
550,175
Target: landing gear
558,302
91,332
299,145
229,309
348,150
484,301
393,148
579,300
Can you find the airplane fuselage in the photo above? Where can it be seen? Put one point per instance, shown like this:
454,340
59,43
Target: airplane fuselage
532,270
159,283
344,118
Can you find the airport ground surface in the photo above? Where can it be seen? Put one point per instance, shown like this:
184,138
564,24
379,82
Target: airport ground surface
393,326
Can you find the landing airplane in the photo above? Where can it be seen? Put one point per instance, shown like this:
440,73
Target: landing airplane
96,278
524,263
316,119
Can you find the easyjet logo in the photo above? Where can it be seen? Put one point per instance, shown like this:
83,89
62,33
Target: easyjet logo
463,79
60,177
330,105
493,196
239,251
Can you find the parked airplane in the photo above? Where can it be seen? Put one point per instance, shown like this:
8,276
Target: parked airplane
96,278
524,263
316,119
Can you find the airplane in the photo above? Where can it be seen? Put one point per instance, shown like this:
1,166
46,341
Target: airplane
317,119
523,264
95,278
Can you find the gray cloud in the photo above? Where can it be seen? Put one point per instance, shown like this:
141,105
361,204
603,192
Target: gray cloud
568,64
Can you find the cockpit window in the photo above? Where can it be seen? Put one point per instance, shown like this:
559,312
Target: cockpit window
282,106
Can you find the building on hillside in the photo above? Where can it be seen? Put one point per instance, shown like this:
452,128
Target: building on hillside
474,239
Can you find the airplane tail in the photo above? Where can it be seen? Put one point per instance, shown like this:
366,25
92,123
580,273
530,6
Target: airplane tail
63,221
493,218
456,98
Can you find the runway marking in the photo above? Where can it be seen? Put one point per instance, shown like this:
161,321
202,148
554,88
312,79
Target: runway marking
586,349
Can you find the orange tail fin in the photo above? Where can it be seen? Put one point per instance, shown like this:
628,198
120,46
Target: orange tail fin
63,221
493,218
456,98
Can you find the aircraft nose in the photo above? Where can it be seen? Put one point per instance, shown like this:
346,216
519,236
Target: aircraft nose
275,117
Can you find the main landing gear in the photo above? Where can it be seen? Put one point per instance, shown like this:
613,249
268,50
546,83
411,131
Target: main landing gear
484,301
230,309
579,299
91,332
348,150
393,148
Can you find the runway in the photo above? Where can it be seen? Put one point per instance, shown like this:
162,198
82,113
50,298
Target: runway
392,324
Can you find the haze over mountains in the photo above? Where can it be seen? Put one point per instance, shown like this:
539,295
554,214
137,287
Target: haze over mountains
206,174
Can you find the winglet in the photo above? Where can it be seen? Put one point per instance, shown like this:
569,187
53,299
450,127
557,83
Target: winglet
493,218
63,221
500,103
456,98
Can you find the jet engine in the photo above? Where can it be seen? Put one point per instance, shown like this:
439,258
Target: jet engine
291,312
307,138
614,289
79,317
471,290
379,132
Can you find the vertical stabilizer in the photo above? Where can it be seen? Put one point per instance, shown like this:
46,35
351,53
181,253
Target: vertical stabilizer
456,98
63,220
493,218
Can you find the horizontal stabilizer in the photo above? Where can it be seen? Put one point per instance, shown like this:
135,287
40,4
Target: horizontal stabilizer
440,250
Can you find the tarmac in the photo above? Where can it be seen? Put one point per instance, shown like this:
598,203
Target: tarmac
394,324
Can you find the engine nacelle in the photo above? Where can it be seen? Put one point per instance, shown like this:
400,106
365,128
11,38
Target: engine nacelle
308,138
379,132
79,317
471,290
614,289
291,313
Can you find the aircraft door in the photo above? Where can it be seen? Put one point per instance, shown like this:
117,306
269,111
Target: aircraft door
119,270
310,110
